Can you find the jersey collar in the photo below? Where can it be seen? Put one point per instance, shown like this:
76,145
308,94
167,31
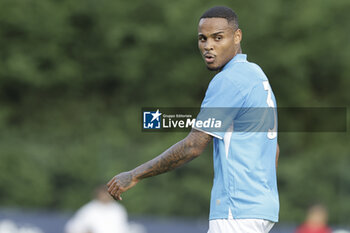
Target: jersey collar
238,58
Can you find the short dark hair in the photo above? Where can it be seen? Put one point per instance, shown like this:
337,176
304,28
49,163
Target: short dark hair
222,12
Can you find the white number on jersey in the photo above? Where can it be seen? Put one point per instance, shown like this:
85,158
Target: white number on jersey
272,133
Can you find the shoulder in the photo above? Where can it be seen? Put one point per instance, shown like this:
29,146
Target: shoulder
242,70
328,230
118,208
245,74
240,76
223,82
88,208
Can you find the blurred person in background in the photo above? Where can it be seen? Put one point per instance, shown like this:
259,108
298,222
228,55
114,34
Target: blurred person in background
101,215
8,226
316,221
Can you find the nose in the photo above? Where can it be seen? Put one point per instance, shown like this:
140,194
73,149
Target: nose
208,45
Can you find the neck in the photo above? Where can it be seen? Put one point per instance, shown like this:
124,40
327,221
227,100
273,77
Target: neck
239,50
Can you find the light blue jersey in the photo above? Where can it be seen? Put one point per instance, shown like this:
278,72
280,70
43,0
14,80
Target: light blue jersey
244,160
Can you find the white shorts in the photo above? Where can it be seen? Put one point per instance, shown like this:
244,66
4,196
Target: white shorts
240,226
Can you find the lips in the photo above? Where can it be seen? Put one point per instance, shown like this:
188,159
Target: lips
209,58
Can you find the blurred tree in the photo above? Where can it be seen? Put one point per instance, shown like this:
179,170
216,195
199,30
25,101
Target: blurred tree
75,74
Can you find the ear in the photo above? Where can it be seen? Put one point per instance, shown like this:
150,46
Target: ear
237,36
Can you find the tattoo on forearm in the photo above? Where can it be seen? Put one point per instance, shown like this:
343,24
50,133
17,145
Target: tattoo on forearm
177,155
125,179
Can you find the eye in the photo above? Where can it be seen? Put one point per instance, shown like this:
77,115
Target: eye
218,38
201,39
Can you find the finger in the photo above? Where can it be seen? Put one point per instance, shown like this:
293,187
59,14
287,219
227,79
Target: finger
111,187
118,195
115,190
110,182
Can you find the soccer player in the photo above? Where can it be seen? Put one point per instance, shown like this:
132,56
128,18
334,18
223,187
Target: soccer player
244,197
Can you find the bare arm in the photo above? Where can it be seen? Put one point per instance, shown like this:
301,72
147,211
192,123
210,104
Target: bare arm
177,155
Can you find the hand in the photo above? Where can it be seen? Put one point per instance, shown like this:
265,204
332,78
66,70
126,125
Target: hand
120,183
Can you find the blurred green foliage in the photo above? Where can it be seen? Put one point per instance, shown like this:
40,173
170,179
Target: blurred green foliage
75,74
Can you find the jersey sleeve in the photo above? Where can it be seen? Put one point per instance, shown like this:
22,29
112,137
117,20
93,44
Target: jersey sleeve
221,103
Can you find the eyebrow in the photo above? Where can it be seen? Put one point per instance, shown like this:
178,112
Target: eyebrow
213,34
217,33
